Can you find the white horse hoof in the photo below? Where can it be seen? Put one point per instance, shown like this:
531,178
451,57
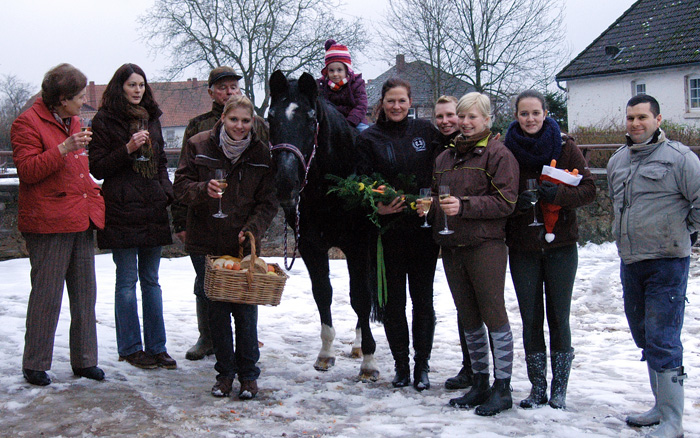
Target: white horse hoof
324,363
356,352
368,375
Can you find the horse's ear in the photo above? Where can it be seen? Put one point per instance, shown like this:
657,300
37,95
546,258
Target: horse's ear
308,86
278,83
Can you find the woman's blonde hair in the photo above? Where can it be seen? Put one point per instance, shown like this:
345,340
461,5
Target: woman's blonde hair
239,101
446,99
480,101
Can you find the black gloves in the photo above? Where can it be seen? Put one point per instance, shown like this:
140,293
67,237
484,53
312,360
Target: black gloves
525,200
547,191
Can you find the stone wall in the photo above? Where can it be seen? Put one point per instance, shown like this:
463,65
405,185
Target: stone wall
594,226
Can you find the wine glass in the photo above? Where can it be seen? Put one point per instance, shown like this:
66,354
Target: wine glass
532,187
444,194
425,201
85,126
220,177
143,126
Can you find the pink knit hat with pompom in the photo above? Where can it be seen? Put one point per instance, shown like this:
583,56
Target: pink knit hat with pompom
336,53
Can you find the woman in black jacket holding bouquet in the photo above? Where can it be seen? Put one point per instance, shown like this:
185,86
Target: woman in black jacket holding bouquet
396,147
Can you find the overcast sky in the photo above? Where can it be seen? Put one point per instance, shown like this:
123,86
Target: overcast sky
98,36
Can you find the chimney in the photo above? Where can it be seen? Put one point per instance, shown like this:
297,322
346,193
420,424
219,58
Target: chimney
91,94
194,83
400,62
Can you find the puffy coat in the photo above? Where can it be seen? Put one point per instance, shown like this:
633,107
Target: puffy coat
350,100
56,193
485,179
655,190
249,199
137,214
522,237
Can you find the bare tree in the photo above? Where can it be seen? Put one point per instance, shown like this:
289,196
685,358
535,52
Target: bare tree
255,37
14,94
497,46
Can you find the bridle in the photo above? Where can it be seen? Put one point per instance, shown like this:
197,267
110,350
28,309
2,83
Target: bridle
306,165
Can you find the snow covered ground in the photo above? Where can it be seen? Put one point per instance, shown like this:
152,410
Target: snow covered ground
607,381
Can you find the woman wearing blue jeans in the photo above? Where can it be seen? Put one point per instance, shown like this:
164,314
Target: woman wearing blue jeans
127,153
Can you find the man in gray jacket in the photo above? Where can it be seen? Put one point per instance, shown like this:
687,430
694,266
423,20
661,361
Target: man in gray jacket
655,189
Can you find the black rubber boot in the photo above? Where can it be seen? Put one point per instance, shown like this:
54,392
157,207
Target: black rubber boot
537,373
420,376
203,346
499,400
462,380
561,367
403,374
478,394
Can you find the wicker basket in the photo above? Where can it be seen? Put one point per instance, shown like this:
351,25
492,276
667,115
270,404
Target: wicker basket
244,287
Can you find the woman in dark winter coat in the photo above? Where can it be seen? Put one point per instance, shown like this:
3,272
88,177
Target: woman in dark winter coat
127,153
543,270
482,176
250,202
398,147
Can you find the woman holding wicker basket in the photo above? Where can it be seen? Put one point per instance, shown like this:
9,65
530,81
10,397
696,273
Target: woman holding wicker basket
221,210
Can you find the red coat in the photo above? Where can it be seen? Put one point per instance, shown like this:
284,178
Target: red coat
56,193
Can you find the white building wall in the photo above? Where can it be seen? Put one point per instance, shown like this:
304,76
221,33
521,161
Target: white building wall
601,101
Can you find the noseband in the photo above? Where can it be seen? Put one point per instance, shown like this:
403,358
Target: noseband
306,165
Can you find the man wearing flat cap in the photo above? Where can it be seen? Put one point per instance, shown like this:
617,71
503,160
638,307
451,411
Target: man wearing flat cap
223,83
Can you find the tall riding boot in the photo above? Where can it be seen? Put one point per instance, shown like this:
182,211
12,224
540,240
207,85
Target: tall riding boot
499,400
537,373
403,373
203,346
653,415
670,399
477,394
423,333
561,367
463,379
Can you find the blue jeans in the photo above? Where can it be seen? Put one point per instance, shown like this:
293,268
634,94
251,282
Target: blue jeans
138,264
361,126
654,296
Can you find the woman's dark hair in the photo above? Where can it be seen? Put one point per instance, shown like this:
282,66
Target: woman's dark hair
62,82
114,98
531,94
388,85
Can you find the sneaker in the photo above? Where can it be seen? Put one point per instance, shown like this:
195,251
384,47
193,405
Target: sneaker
39,378
165,361
222,387
249,389
93,373
140,359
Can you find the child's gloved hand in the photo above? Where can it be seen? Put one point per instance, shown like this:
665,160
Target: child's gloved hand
547,191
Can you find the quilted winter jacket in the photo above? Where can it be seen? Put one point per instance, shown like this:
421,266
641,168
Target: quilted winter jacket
350,100
655,191
56,193
137,207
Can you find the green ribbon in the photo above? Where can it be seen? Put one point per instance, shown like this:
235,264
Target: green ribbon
381,274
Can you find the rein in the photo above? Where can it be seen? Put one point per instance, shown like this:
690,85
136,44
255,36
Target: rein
306,165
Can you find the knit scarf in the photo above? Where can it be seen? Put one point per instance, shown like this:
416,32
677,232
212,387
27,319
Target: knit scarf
335,87
465,144
147,169
233,149
535,152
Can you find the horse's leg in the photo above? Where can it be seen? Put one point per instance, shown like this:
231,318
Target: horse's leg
361,300
317,264
356,351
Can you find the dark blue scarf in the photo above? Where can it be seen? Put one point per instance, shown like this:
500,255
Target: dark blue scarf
535,152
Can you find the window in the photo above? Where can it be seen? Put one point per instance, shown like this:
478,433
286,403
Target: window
694,93
411,113
170,134
638,87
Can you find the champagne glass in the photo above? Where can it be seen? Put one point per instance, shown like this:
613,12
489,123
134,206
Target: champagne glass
532,187
85,126
444,194
425,201
143,126
220,177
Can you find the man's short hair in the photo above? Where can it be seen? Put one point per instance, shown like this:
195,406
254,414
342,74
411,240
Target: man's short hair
645,98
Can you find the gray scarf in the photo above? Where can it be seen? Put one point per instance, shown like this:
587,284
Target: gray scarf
233,149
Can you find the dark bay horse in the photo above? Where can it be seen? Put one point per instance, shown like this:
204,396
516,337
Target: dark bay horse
311,139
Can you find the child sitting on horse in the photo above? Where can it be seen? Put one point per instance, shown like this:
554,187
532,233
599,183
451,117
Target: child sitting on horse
342,87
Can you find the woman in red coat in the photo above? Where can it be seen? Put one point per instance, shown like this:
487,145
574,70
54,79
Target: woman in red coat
59,206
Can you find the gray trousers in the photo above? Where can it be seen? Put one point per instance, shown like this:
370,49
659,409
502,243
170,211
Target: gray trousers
56,258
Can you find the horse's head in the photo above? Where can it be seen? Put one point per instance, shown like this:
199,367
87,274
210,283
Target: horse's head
293,133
